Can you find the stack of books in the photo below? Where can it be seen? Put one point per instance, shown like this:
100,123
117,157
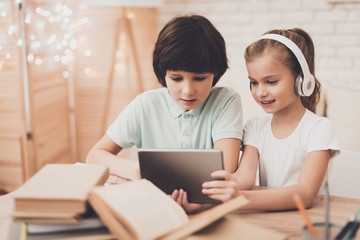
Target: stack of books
55,199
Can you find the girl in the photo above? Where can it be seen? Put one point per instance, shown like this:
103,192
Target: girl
291,145
188,112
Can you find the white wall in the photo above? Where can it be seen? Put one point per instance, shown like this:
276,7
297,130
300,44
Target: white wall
334,27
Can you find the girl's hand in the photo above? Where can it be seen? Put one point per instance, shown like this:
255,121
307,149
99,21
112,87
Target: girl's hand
222,190
180,196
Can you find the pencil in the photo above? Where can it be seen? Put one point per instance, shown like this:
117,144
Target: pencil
303,212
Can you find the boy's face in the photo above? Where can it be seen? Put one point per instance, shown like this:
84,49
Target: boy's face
189,89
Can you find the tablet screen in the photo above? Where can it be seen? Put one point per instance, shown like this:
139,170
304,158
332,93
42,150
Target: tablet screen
188,169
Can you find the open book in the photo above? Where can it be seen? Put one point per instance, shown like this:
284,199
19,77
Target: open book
140,210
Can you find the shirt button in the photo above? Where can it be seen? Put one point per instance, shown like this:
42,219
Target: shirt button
186,132
186,116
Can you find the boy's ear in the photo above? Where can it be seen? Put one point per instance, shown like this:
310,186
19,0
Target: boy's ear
214,83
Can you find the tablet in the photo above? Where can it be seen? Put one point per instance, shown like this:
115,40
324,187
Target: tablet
188,169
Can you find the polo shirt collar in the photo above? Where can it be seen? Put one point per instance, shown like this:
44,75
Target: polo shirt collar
177,111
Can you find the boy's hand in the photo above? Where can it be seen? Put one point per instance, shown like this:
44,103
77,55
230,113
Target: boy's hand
180,196
222,190
114,179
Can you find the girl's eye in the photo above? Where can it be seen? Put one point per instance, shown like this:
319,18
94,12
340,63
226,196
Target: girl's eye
176,79
272,82
252,83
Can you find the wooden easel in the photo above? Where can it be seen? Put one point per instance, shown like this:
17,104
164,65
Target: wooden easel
123,24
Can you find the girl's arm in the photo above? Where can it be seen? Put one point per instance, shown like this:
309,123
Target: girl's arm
309,183
105,151
230,148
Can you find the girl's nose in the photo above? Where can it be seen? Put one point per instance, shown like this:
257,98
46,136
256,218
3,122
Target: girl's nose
261,91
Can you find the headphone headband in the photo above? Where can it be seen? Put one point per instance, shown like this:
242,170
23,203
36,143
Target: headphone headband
307,76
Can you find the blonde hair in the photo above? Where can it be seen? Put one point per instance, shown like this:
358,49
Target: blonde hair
303,40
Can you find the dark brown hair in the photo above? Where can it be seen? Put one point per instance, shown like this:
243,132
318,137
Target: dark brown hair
303,40
189,43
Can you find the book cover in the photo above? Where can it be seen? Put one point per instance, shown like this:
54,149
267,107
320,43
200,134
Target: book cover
59,188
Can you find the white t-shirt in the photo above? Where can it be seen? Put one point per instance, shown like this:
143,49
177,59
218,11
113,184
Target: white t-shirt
281,160
154,120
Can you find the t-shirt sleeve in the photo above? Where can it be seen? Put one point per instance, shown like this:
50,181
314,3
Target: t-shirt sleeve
250,133
228,119
124,131
323,137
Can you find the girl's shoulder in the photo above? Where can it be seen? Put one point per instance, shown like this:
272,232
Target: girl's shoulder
313,118
312,121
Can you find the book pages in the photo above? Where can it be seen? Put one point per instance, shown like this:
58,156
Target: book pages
143,207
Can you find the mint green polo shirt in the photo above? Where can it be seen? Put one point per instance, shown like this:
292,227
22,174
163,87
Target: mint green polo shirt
154,120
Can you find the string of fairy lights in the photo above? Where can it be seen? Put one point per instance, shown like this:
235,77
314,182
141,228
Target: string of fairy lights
50,32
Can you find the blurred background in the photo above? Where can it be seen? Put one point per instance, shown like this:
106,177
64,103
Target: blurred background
67,68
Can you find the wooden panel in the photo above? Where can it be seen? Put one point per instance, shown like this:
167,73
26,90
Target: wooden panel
10,81
10,178
11,152
12,128
11,158
52,130
48,89
91,73
53,151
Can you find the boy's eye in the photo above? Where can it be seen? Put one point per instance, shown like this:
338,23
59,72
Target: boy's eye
199,78
176,79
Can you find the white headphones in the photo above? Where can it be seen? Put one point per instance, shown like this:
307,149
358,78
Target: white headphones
305,82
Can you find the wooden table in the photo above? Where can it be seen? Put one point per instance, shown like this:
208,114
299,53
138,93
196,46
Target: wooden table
291,222
288,223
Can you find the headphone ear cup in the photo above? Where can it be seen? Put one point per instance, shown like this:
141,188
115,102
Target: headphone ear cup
304,87
308,86
298,85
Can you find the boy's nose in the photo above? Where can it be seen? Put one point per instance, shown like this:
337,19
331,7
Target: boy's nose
187,88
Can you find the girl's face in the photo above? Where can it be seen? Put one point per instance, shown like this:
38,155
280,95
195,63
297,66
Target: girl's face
189,89
272,84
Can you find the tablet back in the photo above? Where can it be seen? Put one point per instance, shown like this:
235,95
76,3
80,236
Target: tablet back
171,169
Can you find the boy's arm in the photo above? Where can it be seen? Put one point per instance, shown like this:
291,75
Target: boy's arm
105,151
231,152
